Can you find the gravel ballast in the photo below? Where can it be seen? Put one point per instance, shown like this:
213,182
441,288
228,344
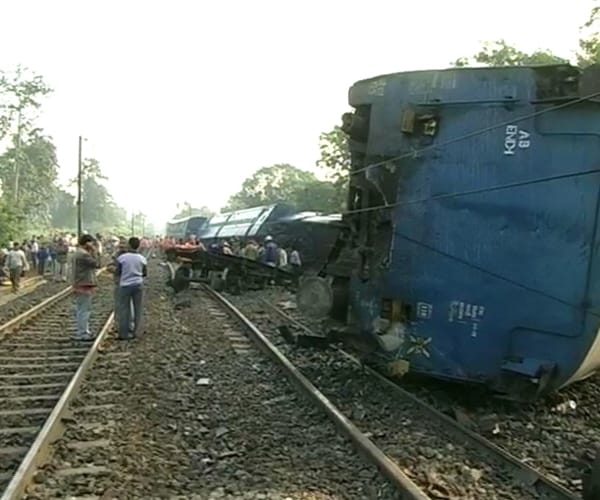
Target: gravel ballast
191,418
438,464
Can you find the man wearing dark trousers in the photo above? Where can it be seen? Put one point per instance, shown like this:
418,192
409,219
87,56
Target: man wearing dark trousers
131,269
84,286
112,267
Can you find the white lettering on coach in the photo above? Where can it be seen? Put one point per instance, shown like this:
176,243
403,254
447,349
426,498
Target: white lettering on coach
514,139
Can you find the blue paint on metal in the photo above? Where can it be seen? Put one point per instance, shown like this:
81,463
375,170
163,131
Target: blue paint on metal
529,367
247,223
510,278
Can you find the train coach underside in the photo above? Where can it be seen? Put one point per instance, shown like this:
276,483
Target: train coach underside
395,334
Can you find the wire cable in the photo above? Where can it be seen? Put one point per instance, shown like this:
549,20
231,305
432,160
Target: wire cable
496,275
477,132
500,187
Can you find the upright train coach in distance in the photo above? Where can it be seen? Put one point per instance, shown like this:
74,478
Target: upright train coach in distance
472,219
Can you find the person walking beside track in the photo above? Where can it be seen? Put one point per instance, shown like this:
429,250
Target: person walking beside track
17,265
131,269
84,285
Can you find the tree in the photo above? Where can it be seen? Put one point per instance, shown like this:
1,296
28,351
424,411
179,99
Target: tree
589,44
186,210
335,160
11,223
500,53
285,183
20,98
31,200
28,171
99,212
63,211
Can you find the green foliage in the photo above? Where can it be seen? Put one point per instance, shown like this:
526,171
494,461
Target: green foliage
99,212
335,157
28,171
63,210
11,223
500,53
186,210
30,199
589,44
285,183
20,97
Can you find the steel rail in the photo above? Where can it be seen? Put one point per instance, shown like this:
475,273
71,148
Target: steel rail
408,489
53,428
28,279
26,283
25,316
526,474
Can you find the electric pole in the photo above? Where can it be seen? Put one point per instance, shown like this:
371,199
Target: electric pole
132,223
18,157
79,182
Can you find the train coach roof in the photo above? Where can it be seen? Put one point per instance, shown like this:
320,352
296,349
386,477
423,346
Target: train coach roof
467,68
185,219
245,223
324,219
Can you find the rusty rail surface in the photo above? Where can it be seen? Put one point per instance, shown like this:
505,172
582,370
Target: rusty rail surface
523,472
388,468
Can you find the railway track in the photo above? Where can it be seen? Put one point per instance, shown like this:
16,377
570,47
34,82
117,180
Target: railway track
27,285
246,436
46,388
440,457
41,369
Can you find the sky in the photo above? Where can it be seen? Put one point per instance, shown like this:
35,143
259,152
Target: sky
182,100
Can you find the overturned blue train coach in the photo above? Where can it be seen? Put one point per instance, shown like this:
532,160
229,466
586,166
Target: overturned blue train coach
472,248
311,233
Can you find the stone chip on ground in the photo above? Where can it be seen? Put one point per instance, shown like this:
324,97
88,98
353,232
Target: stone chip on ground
246,434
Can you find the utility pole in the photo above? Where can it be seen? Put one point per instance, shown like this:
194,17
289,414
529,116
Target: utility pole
17,157
79,182
132,223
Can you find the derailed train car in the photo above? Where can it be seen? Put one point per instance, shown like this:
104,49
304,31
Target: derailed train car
249,223
471,248
312,234
185,227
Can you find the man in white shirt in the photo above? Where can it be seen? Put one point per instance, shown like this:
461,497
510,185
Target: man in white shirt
16,262
35,248
131,270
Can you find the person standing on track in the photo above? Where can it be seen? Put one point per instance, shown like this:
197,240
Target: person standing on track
62,253
121,249
131,269
84,285
17,265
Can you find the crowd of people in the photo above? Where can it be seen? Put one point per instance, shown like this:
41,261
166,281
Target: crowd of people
269,252
50,257
66,258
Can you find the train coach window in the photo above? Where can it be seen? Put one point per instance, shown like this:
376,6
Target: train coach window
412,122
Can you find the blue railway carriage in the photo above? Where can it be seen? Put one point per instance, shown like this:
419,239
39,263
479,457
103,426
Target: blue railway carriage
311,233
250,223
474,206
185,227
